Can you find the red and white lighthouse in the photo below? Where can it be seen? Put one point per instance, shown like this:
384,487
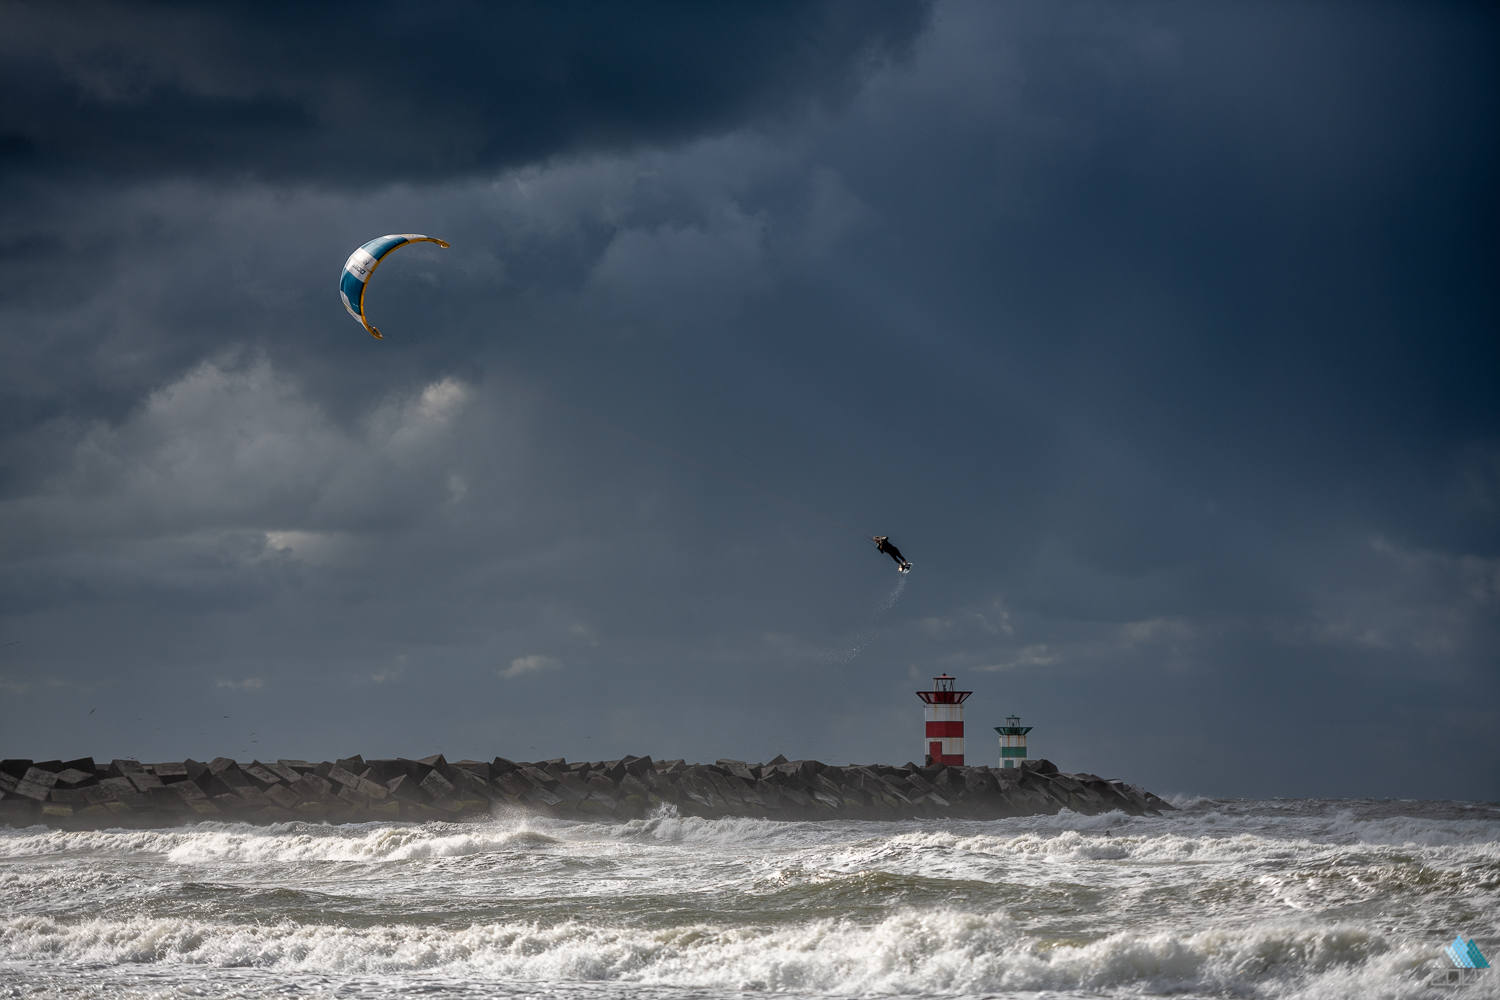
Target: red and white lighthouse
945,721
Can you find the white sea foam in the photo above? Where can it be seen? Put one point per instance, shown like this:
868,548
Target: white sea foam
1222,899
209,842
909,952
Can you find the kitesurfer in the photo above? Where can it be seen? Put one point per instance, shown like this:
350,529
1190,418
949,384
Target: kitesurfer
883,544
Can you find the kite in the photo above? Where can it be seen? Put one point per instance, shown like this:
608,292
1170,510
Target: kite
362,263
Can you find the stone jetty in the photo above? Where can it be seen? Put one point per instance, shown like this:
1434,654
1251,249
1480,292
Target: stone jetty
86,794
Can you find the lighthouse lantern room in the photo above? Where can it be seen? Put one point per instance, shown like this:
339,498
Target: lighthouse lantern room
1012,741
945,722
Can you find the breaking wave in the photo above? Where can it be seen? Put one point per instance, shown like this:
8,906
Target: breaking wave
909,952
1224,898
285,842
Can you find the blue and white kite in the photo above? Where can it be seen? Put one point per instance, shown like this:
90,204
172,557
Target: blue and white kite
362,263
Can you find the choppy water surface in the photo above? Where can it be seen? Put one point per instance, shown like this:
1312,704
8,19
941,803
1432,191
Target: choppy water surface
1242,899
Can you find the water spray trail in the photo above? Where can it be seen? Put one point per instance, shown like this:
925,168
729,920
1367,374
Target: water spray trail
893,596
860,637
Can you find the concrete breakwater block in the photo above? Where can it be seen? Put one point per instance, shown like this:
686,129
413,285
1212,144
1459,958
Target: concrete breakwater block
80,794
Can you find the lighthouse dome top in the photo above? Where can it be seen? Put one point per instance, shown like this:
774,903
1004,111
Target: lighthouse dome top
942,692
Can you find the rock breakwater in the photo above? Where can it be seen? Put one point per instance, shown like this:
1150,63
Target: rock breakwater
84,794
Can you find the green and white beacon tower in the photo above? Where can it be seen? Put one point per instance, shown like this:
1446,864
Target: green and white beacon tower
1012,741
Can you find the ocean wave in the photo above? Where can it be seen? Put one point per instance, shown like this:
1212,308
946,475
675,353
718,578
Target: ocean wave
1413,851
1312,900
287,842
1162,847
371,844
667,826
942,951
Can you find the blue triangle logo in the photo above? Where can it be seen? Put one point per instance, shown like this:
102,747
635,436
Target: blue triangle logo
1466,955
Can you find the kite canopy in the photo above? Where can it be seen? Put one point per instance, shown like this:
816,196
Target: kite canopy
362,263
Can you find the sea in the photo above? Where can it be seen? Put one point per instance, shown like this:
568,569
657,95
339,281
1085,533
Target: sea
1223,898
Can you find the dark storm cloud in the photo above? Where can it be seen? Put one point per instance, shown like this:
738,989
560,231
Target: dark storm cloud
1160,337
352,94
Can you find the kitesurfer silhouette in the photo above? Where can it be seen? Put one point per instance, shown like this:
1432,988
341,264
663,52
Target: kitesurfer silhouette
883,544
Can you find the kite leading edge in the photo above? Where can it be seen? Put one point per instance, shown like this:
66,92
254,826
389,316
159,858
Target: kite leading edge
362,263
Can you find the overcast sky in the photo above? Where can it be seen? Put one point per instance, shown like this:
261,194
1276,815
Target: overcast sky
1162,338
